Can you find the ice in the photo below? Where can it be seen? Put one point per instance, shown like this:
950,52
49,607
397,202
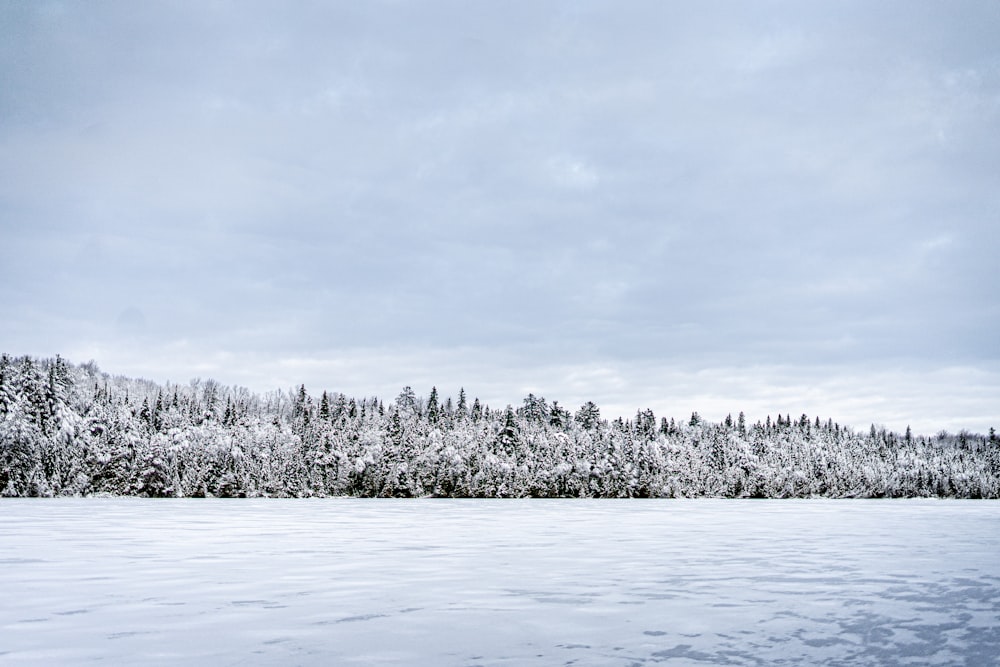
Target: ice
499,582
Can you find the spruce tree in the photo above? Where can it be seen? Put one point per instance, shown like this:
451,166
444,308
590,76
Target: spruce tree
588,416
433,410
509,435
559,417
6,386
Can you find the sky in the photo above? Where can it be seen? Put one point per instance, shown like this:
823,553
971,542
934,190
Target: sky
716,206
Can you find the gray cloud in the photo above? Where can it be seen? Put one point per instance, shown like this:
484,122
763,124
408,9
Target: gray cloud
556,185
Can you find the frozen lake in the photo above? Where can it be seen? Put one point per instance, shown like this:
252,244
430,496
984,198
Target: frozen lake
488,582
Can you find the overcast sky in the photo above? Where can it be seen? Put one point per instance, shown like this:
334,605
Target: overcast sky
773,206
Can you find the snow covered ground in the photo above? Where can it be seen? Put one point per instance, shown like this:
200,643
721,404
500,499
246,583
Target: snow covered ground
499,582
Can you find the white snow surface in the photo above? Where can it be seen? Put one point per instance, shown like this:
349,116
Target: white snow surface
499,582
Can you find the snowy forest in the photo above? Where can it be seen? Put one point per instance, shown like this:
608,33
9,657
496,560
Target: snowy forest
72,430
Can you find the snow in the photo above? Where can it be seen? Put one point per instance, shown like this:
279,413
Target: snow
499,582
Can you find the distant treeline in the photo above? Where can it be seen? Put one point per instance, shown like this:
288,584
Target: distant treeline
73,430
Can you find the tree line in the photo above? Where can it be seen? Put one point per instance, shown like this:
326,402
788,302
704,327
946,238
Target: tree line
72,430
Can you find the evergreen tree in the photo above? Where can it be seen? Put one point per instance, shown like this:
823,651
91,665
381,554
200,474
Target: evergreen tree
407,401
535,409
7,391
433,410
145,414
158,412
299,403
396,429
559,417
72,431
588,416
509,435
340,407
645,423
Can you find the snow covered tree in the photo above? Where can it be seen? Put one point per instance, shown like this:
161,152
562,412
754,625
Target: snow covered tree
73,430
433,409
509,436
588,416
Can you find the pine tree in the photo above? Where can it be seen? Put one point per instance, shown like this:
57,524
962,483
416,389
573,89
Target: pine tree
158,411
59,384
509,435
535,409
299,403
6,386
558,416
324,407
34,394
645,423
396,429
588,416
433,410
407,400
145,414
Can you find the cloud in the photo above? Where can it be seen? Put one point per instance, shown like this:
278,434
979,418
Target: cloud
573,186
572,173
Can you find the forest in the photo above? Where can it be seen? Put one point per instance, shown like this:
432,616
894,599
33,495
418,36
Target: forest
72,430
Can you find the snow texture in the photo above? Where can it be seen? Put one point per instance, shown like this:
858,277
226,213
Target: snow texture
499,582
